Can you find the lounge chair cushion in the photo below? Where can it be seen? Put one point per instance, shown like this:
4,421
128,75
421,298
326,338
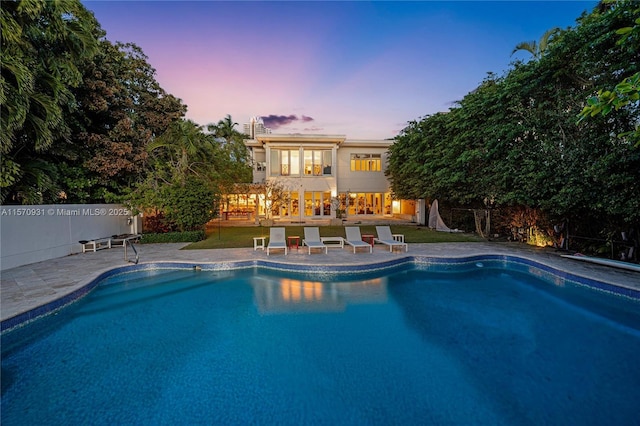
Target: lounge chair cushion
386,237
312,239
354,239
277,240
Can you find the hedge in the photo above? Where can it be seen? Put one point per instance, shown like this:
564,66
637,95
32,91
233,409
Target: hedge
173,237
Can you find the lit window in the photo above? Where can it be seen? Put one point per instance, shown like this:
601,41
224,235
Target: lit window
366,163
317,162
285,162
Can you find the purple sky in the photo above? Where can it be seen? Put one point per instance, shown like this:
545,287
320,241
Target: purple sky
362,69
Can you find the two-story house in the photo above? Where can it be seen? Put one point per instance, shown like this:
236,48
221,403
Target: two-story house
323,175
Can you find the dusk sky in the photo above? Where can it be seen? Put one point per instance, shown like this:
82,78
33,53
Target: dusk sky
360,69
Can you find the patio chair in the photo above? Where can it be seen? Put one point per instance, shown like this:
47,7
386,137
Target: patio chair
277,240
312,238
386,237
354,239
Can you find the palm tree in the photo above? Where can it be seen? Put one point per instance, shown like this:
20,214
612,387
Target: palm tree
224,129
43,42
186,146
537,49
233,147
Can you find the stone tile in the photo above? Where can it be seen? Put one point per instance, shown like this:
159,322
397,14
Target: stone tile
29,286
12,298
39,292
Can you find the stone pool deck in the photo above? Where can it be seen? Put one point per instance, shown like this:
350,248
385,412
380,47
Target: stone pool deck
27,287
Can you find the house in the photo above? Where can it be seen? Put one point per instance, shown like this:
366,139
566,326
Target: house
322,176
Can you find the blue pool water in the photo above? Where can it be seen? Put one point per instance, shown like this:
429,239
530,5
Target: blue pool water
492,346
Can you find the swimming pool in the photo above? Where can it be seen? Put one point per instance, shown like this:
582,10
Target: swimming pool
406,344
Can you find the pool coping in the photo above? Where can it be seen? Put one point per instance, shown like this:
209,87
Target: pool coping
548,273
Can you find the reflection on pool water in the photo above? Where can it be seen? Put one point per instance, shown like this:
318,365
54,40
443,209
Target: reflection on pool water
300,295
406,346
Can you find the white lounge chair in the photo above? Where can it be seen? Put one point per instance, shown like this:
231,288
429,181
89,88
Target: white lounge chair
312,238
387,238
277,240
354,239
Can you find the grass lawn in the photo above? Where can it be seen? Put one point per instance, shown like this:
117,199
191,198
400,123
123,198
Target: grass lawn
239,237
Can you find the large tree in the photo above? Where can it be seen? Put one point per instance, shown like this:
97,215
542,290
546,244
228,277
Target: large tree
626,94
185,148
233,165
225,128
43,44
187,163
121,108
514,139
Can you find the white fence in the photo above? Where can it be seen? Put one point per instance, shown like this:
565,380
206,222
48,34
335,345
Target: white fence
31,234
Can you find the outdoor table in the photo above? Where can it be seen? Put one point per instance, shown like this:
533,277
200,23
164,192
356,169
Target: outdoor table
258,243
293,241
368,238
333,241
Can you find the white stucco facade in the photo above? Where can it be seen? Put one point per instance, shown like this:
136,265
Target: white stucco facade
325,176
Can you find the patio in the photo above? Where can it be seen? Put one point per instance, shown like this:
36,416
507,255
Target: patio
29,286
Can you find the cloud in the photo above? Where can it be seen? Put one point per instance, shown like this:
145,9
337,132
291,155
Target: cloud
313,129
273,121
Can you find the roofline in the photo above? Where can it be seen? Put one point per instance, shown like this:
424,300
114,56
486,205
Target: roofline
368,142
297,138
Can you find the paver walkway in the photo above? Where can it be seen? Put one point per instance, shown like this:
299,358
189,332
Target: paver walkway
27,287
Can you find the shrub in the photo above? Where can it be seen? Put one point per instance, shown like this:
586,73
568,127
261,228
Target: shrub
157,224
188,205
173,237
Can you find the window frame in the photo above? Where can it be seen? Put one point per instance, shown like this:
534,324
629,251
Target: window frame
317,162
289,167
365,162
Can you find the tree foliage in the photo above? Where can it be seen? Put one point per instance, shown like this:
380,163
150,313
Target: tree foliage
537,48
186,162
43,43
238,169
121,108
188,205
514,139
185,148
626,94
84,120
